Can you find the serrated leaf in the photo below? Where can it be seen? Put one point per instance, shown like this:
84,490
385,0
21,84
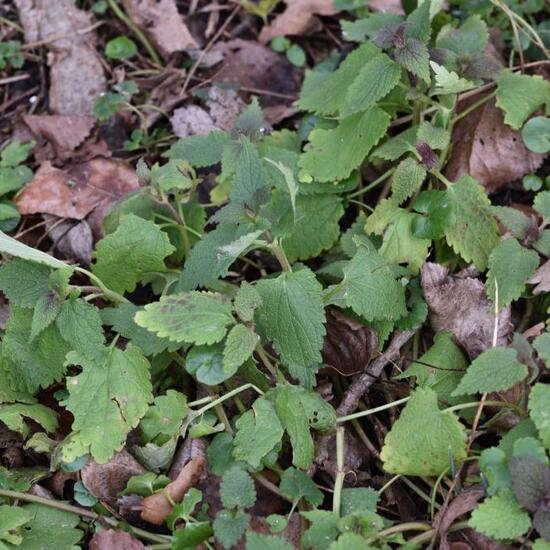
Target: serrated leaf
230,527
13,415
79,324
24,282
257,541
539,409
137,248
165,416
530,480
246,301
249,171
515,220
448,82
239,346
474,232
472,37
496,369
520,95
418,21
438,435
12,519
45,311
371,288
500,517
237,489
435,137
407,179
193,317
292,317
396,146
333,154
542,204
200,151
14,248
510,266
414,57
542,345
107,399
258,432
296,485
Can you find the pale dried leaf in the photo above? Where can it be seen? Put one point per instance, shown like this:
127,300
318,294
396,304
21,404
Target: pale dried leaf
76,73
74,240
298,18
541,278
489,150
111,539
391,6
460,305
191,121
163,23
105,481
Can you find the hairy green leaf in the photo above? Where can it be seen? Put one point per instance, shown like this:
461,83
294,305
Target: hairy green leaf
239,346
24,282
539,409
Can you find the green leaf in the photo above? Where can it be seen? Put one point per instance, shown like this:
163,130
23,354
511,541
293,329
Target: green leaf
362,29
542,204
292,317
371,288
435,137
205,363
520,95
519,224
397,145
438,435
45,311
542,345
493,463
288,176
239,346
237,489
192,317
350,541
30,367
107,399
12,247
15,152
145,484
230,527
79,324
298,410
13,415
474,232
510,266
296,55
246,301
500,517
496,369
259,431
407,179
333,154
200,151
12,519
256,541
358,499
24,282
531,481
448,82
536,134
137,248
472,37
323,530
414,57
539,410
296,485
165,416
418,22
172,176
120,47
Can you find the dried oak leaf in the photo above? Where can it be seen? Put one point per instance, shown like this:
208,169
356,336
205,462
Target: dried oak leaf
348,345
460,305
163,23
488,150
105,481
541,278
298,18
156,508
78,189
76,73
111,539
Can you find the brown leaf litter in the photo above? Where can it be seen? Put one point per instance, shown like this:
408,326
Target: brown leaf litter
76,73
162,22
111,539
298,18
541,278
459,304
489,150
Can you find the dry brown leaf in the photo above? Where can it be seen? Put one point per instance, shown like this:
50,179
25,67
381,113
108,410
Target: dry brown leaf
298,18
74,240
105,481
541,278
348,345
156,508
76,73
79,189
478,541
488,150
110,539
163,23
460,305
392,6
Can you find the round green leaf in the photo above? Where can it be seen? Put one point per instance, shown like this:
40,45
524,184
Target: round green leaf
205,363
536,134
120,48
280,43
296,55
532,182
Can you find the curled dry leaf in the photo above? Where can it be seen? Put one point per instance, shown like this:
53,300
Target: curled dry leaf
76,73
73,239
156,508
78,189
541,278
348,345
163,23
111,539
478,541
488,150
191,448
298,18
460,305
105,481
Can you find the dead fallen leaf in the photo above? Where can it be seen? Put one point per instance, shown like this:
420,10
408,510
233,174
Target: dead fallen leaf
74,240
163,23
465,502
190,449
348,345
479,541
190,121
298,18
392,6
460,305
488,150
76,73
541,278
105,481
156,508
110,539
77,190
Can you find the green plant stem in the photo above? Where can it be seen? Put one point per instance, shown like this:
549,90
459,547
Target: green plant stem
340,473
368,412
472,108
473,404
281,256
265,360
225,397
424,496
380,179
141,533
401,528
425,537
388,483
141,37
109,294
